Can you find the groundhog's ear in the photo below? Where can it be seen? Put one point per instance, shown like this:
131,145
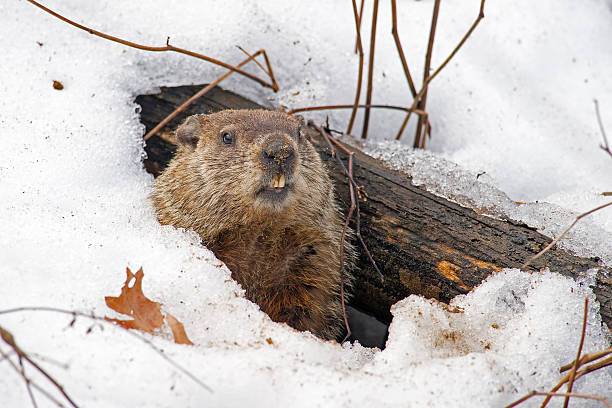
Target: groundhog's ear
188,133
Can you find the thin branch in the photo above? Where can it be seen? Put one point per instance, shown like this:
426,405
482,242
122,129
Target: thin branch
360,14
423,99
400,51
448,59
558,394
101,319
8,338
28,380
570,383
582,372
578,218
267,71
199,94
427,130
605,146
587,358
168,47
328,107
360,72
366,115
352,182
463,40
346,222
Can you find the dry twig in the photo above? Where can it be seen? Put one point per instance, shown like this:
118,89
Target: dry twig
581,372
134,333
359,15
575,373
400,51
360,72
578,218
206,89
587,358
572,376
419,141
366,115
358,189
441,67
167,47
8,338
605,146
558,394
29,382
329,107
354,192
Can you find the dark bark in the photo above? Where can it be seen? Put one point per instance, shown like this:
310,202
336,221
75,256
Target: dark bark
423,244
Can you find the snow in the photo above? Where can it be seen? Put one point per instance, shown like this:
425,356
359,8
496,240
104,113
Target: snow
516,103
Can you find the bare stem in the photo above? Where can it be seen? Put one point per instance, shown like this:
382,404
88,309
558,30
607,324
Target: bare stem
352,182
167,47
346,223
329,107
400,51
446,61
570,383
8,338
587,358
103,320
366,115
29,381
583,371
578,218
198,95
360,72
360,14
558,394
423,99
605,146
268,71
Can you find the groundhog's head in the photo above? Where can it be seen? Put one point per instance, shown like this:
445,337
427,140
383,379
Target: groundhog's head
257,158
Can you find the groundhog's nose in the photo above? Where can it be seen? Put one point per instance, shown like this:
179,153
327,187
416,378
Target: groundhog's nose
277,153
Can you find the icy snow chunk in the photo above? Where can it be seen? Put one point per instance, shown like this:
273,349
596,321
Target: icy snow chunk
511,333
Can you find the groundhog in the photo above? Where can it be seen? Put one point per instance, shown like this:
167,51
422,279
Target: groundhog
250,183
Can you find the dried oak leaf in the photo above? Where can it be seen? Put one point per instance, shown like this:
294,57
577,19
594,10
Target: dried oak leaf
178,330
146,314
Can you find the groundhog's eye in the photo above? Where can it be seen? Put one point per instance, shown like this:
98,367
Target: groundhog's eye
227,138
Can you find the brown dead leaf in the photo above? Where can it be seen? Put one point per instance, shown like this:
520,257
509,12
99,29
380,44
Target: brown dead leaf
146,314
178,330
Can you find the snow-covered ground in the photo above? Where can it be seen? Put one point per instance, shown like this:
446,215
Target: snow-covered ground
515,103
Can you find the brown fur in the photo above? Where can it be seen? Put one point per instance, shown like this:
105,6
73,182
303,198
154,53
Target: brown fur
283,249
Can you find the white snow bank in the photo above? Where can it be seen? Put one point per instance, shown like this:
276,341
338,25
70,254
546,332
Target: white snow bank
74,210
504,339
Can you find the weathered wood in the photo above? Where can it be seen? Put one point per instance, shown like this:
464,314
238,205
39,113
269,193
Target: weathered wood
422,243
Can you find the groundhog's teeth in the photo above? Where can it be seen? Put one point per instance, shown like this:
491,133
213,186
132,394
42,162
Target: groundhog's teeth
281,181
275,181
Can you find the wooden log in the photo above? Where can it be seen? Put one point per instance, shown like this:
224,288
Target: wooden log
423,244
